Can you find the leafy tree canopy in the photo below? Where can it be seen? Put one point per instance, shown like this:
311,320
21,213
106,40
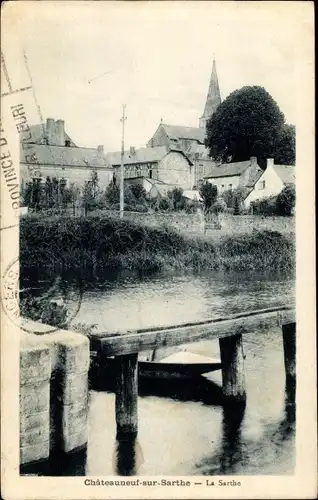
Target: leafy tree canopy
247,123
209,194
285,151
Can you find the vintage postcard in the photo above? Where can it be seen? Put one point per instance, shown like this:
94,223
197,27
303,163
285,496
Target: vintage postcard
157,250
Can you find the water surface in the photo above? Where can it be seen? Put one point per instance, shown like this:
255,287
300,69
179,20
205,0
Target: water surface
180,435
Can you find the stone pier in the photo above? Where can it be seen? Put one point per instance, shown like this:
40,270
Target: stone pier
53,392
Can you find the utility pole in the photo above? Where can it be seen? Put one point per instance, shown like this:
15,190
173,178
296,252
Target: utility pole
121,204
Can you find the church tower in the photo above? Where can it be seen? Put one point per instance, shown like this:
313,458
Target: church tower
213,99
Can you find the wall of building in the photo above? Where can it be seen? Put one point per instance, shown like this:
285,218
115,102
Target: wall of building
225,183
137,170
203,168
269,184
159,138
175,169
77,175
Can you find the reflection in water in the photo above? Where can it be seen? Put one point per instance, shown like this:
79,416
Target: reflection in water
127,457
232,449
59,464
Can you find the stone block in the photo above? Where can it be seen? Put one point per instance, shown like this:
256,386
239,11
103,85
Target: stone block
34,398
74,416
34,428
74,388
34,452
76,440
70,351
35,363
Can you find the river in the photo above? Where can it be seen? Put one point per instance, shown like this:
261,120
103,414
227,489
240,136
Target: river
180,434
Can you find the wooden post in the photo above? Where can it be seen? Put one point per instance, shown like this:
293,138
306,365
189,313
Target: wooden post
289,341
127,396
233,375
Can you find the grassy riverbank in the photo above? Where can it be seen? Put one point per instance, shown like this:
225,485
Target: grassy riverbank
104,242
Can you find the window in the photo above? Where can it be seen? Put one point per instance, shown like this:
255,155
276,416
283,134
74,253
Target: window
150,173
222,187
261,185
230,187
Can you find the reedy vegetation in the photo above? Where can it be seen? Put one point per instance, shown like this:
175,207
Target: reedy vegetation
100,241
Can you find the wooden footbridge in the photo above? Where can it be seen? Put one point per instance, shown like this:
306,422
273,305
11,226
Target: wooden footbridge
229,331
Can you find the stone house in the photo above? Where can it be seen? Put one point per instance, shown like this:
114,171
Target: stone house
167,165
52,153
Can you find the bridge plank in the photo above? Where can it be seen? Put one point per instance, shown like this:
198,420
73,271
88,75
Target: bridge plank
141,340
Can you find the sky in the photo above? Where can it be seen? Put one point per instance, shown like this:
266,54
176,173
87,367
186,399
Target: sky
156,57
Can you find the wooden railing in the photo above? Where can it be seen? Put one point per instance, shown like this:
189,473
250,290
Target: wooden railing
229,331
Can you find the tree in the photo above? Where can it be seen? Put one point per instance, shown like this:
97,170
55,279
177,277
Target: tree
94,182
112,194
176,197
87,198
26,194
138,192
236,206
91,193
73,194
247,123
285,151
209,194
285,201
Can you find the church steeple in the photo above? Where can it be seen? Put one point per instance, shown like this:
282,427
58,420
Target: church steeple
213,99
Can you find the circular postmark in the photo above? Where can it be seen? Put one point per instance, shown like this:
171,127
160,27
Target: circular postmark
53,301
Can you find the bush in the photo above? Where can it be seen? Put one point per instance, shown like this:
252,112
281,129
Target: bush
176,198
164,204
265,206
285,201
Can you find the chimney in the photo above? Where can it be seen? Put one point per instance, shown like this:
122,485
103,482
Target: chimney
60,134
50,130
269,162
100,149
253,160
132,151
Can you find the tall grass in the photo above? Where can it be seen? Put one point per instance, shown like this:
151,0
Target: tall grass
104,242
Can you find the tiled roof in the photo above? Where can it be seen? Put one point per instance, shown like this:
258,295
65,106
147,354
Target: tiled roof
287,173
229,169
180,132
141,155
65,156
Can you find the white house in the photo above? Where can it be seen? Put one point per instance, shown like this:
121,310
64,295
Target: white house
252,182
271,182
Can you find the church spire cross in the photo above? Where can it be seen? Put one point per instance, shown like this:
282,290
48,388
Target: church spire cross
213,99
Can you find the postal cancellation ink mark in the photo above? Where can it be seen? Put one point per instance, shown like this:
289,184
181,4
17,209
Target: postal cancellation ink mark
55,303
